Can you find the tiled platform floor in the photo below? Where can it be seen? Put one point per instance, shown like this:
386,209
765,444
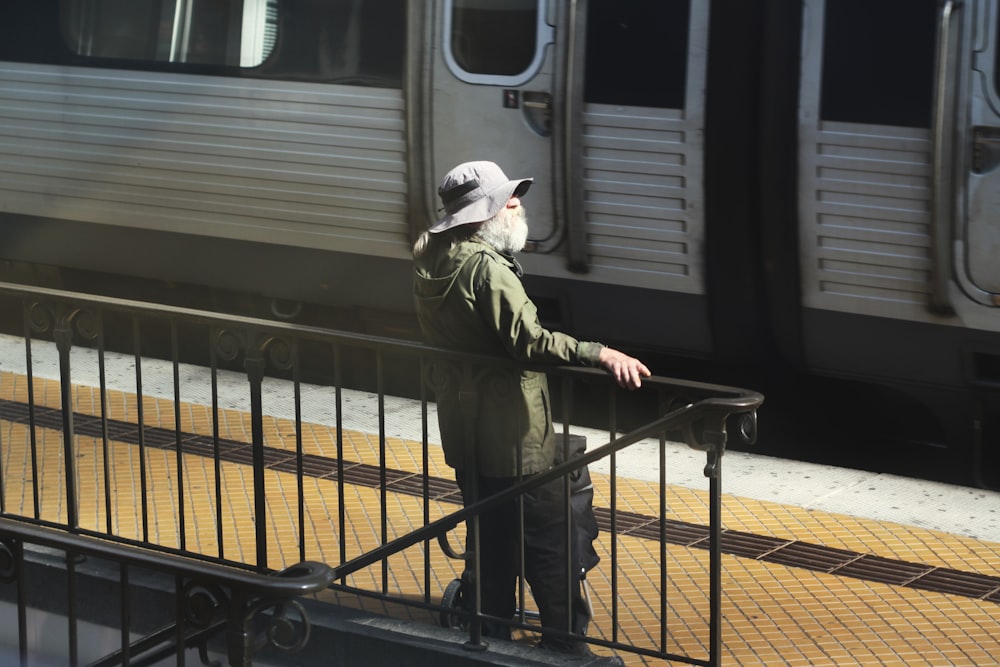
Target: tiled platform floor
772,614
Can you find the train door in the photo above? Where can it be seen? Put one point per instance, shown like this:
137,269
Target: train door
869,231
899,165
635,115
491,90
602,101
979,235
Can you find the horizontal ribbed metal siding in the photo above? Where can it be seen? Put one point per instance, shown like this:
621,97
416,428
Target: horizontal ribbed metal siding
642,197
866,218
299,164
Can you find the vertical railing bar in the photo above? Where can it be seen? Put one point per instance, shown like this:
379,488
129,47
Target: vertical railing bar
126,613
613,485
253,363
141,425
339,418
425,464
105,440
63,334
714,468
216,453
31,410
72,634
181,510
384,492
522,586
299,463
664,633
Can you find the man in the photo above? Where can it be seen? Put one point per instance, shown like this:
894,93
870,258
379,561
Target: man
469,297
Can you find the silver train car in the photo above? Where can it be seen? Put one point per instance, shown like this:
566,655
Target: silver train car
776,190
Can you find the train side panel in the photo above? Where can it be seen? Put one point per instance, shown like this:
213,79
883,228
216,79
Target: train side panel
268,161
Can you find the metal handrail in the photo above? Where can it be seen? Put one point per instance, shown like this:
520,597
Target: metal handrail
249,594
300,579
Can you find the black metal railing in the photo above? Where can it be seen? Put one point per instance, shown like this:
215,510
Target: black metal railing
101,462
211,599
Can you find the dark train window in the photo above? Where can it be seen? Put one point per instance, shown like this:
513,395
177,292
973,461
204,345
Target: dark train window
637,52
878,62
358,42
237,33
494,37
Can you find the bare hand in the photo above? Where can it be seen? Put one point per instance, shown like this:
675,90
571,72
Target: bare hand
627,371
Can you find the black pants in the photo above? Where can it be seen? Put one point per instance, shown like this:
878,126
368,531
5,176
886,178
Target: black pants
545,559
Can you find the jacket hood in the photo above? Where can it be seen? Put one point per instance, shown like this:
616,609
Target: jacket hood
436,273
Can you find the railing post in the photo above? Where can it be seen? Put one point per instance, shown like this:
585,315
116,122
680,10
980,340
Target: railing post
62,333
227,344
254,365
713,470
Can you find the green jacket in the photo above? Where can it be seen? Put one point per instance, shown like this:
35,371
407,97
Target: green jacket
470,298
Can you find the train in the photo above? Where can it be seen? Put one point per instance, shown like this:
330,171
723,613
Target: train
802,195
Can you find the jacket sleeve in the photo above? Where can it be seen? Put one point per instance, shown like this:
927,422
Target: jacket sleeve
507,310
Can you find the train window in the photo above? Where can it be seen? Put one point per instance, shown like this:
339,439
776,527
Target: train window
356,42
237,33
636,52
494,37
878,62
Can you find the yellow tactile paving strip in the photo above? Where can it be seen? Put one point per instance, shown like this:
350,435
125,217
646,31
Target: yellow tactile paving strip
772,614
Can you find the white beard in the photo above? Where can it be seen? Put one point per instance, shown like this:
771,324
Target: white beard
507,231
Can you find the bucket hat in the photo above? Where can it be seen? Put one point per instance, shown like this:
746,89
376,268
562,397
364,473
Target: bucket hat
475,192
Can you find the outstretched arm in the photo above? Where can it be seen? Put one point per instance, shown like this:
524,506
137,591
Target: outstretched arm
627,371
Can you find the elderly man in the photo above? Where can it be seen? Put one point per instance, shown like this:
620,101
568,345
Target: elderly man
469,297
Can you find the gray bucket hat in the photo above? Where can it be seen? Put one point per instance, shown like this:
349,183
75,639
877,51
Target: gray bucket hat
475,192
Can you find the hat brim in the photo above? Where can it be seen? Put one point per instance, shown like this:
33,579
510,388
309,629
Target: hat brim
483,208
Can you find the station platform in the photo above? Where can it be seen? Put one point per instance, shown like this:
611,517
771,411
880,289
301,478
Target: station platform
822,566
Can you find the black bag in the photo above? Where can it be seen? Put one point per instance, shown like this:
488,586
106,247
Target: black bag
582,504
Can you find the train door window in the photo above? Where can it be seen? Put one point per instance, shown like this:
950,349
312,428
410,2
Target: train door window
494,41
636,52
237,33
878,62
